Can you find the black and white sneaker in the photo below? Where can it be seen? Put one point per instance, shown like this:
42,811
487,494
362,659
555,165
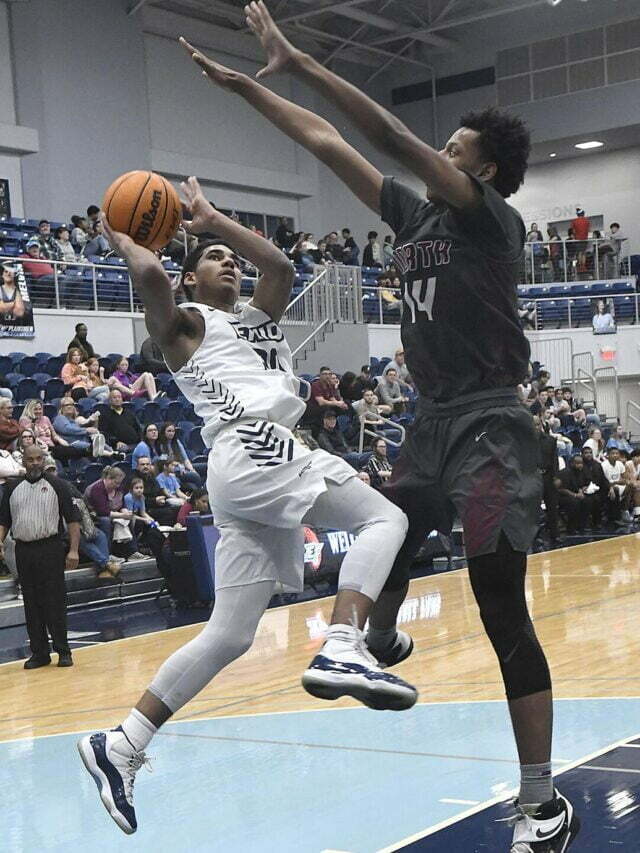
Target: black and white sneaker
552,829
113,762
394,653
344,667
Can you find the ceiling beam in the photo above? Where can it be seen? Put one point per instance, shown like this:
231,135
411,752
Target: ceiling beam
458,22
136,6
341,48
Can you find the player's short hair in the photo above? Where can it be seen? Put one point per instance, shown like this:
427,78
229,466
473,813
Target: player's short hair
504,140
193,259
372,235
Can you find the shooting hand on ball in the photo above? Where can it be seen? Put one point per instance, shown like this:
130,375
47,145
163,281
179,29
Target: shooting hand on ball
200,210
118,241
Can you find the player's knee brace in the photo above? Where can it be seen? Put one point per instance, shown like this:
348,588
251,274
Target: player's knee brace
498,584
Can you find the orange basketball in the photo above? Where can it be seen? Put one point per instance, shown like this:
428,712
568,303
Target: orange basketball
145,206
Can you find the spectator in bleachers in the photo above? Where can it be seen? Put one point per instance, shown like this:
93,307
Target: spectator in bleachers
144,526
540,403
48,245
603,321
390,393
351,249
323,395
620,492
619,441
65,247
389,298
372,255
369,409
334,247
93,215
322,255
555,253
79,233
152,360
10,466
595,443
633,479
105,499
172,448
119,425
148,446
346,386
284,236
80,342
549,467
363,382
132,384
378,467
155,501
5,390
11,302
330,437
535,254
579,414
169,483
9,427
541,382
97,244
75,374
387,251
581,226
617,239
77,430
26,438
35,264
527,314
96,383
402,371
33,418
198,502
575,496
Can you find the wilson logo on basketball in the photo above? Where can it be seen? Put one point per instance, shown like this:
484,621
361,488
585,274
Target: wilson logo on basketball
149,217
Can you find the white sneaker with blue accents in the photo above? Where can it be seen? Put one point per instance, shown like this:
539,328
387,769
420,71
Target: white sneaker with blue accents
113,762
344,667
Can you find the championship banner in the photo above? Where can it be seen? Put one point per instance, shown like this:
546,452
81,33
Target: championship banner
16,313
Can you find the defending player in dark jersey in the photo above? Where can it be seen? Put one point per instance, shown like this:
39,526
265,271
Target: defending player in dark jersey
472,449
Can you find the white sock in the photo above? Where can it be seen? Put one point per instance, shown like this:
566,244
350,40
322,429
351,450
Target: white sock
138,729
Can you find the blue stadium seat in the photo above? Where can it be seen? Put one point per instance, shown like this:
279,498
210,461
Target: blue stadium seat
16,357
195,444
151,413
173,411
54,365
54,389
13,379
6,365
41,379
91,473
50,410
29,365
86,405
624,309
27,389
43,357
185,429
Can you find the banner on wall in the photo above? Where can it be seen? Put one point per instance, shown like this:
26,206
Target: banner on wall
16,312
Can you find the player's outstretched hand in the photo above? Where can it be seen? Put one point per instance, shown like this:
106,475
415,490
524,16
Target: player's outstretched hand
198,207
281,54
227,78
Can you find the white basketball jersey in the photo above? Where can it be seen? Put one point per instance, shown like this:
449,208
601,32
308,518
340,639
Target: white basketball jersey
242,369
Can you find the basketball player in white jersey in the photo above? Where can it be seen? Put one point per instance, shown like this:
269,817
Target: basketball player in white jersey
232,362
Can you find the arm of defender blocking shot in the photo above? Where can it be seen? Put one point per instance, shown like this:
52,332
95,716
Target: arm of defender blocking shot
273,290
304,127
380,126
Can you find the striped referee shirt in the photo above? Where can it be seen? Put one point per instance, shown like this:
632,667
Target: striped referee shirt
37,509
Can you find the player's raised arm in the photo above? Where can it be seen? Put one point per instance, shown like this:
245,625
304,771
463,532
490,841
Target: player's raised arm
304,127
380,126
168,326
273,290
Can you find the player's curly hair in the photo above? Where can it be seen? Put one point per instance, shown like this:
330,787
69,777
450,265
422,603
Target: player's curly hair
504,140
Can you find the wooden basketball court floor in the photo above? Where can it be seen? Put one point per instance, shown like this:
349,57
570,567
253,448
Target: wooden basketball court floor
255,764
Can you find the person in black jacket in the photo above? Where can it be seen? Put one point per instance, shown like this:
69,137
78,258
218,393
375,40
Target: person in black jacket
550,469
573,483
154,498
119,424
330,437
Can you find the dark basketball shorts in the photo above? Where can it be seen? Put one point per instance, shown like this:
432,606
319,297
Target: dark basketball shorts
476,457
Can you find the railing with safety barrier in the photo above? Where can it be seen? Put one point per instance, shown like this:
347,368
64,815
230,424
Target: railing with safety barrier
547,261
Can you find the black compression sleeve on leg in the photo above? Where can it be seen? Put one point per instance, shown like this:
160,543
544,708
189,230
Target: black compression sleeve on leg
498,585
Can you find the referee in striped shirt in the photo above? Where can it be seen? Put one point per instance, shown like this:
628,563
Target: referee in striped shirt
35,508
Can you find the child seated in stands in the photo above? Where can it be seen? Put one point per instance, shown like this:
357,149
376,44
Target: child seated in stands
198,502
170,484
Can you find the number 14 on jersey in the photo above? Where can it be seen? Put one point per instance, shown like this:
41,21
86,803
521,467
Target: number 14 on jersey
419,296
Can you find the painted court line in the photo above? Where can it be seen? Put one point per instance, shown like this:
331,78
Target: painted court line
398,845
610,769
459,802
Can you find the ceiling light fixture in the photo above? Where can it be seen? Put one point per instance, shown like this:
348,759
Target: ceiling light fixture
553,154
584,146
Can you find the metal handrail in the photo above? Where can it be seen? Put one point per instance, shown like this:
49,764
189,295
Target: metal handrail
310,337
606,374
306,289
633,414
364,431
572,255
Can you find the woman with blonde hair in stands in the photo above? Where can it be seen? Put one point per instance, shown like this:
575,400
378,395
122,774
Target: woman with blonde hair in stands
596,443
77,430
34,418
131,384
75,373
